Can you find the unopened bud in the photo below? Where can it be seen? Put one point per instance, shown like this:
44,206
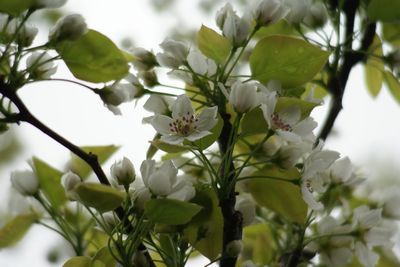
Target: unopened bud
144,59
317,16
110,220
70,27
27,35
149,78
40,65
123,172
25,182
234,248
69,181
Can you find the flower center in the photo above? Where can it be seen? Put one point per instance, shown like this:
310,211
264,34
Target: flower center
280,124
184,125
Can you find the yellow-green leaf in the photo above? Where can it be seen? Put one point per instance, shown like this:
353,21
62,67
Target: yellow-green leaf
50,182
213,45
258,243
290,60
170,211
81,168
101,197
391,33
15,229
283,197
104,255
93,58
305,106
374,67
253,122
15,7
384,10
208,140
168,147
393,85
204,232
79,261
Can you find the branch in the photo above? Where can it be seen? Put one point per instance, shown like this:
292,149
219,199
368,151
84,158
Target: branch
338,79
90,158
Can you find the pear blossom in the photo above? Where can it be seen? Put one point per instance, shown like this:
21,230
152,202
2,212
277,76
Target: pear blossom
40,65
298,10
174,55
314,175
268,12
201,64
69,181
184,124
290,153
243,96
144,59
164,182
233,27
25,182
123,172
70,27
287,122
341,170
27,35
158,104
366,256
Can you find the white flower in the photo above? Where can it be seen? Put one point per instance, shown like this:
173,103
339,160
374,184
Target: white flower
164,182
69,181
298,10
243,96
175,54
317,15
184,124
233,27
365,218
341,170
201,64
287,122
25,182
70,27
245,204
366,256
40,65
289,154
157,104
50,3
123,172
269,12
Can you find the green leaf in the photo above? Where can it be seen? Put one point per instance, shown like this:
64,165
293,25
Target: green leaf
384,10
393,85
81,168
50,182
374,67
15,229
93,58
391,33
204,232
283,197
290,60
213,45
101,197
259,244
15,7
104,255
208,140
170,211
282,27
305,106
79,261
253,122
168,147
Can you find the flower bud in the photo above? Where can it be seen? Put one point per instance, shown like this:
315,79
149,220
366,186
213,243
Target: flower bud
269,12
317,16
27,35
298,10
243,96
235,28
222,14
144,59
123,172
69,181
174,55
70,27
234,248
25,182
247,207
149,78
40,65
110,220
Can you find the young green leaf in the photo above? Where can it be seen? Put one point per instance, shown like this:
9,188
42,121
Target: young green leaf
213,45
50,182
78,261
93,58
391,33
104,255
15,7
15,230
290,60
374,67
393,85
78,166
170,211
283,197
384,10
253,122
101,197
259,243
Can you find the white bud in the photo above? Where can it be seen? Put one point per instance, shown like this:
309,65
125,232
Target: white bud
69,181
110,220
234,248
298,10
70,27
243,96
269,12
144,59
27,35
174,55
236,29
247,207
40,65
317,15
25,182
123,172
222,14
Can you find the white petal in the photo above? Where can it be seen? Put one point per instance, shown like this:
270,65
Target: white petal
146,169
309,198
288,136
161,124
159,183
156,104
305,126
169,169
197,62
182,107
290,115
197,135
207,119
341,169
172,139
367,257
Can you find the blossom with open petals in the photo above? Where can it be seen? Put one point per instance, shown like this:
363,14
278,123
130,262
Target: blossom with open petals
184,124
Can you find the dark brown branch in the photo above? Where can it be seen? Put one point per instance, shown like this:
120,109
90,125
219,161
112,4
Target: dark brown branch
338,79
90,158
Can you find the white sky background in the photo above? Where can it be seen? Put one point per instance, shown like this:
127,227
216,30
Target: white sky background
367,128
